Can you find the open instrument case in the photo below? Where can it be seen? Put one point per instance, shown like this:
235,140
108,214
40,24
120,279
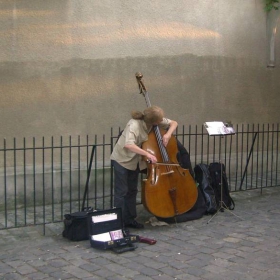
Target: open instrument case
106,231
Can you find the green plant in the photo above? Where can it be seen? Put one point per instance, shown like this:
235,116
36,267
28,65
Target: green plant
271,4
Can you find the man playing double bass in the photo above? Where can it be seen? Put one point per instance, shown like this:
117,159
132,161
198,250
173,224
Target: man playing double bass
127,158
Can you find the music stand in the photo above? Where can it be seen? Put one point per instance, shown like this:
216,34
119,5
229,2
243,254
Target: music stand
220,129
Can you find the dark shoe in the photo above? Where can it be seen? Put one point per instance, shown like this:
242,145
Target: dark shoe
134,224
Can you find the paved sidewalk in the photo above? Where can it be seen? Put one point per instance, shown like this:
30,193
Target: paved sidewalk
227,247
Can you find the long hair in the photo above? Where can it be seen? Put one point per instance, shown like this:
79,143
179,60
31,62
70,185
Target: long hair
151,115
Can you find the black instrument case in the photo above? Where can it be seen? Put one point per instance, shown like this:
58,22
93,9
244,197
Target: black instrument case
106,231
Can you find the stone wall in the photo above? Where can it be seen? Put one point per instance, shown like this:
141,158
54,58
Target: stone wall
67,67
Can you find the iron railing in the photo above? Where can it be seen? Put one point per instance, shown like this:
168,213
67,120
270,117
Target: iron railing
44,179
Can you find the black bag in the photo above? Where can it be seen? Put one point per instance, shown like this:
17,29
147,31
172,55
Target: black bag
202,177
183,158
218,178
75,224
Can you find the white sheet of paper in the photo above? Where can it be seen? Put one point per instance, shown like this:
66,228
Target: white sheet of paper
102,237
218,128
104,218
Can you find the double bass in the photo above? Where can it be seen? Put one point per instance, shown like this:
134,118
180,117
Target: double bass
168,189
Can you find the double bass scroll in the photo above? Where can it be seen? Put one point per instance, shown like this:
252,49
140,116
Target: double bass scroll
168,190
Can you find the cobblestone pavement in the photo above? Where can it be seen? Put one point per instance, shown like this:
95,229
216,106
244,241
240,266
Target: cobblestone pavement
225,247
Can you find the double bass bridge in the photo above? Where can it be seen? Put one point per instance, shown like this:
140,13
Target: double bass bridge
166,173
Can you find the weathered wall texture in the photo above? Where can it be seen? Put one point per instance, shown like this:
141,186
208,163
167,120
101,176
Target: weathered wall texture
67,67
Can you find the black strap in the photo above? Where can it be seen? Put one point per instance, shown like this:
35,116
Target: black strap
88,176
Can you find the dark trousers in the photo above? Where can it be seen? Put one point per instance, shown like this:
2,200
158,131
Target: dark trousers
125,191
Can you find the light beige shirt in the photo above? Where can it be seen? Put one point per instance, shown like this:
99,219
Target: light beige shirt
136,132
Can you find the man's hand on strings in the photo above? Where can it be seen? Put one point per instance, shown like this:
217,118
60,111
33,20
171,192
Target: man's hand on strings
165,139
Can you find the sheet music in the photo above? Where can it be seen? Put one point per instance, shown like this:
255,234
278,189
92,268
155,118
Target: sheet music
218,128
